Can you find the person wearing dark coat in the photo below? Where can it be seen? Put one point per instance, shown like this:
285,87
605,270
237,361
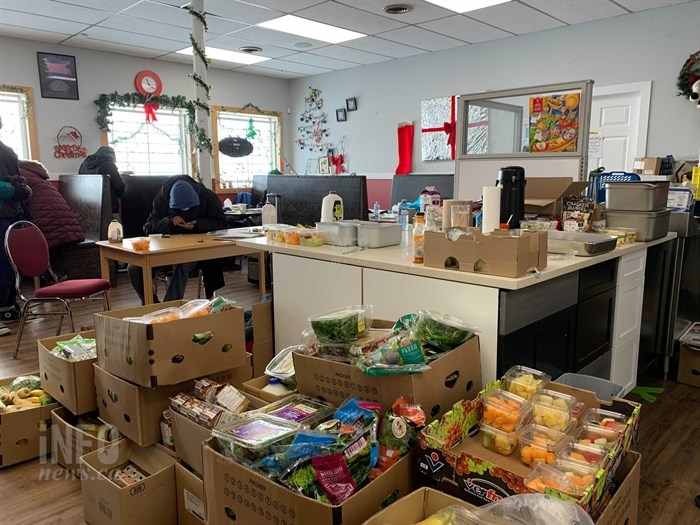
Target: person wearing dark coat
184,206
103,162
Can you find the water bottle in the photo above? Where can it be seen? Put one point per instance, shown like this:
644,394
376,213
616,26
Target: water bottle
269,213
377,211
403,215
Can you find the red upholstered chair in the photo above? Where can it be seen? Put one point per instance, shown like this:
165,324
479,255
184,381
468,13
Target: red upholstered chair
29,255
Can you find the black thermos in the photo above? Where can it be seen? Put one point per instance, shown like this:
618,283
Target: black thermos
511,179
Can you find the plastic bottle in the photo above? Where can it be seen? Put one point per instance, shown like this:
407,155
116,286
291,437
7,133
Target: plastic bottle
431,224
403,215
275,386
332,207
418,238
377,211
269,213
115,232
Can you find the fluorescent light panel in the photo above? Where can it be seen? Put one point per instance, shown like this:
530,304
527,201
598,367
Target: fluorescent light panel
463,6
309,29
227,56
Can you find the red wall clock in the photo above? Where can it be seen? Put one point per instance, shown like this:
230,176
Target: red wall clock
148,82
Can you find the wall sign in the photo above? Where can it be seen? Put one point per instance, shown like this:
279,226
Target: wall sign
57,76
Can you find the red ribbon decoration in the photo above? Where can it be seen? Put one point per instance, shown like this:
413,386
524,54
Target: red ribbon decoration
150,108
337,161
449,127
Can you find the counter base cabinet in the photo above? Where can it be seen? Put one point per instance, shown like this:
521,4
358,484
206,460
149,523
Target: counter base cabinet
624,365
593,328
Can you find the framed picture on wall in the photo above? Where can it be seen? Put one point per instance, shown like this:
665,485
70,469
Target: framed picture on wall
324,167
58,76
340,115
351,103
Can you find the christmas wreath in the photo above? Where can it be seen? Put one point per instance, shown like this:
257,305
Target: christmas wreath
688,78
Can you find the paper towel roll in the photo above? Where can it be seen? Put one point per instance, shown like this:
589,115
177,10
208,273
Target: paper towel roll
491,209
446,214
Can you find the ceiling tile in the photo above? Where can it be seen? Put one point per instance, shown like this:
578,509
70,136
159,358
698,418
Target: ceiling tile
160,13
320,61
113,6
293,67
578,11
641,5
351,55
343,16
516,18
234,44
133,39
147,27
240,11
384,47
57,10
268,72
112,47
466,29
286,6
31,34
422,11
262,35
42,23
421,38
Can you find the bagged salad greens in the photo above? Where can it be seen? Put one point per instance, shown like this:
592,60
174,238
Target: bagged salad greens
30,382
76,349
444,332
398,433
342,325
400,354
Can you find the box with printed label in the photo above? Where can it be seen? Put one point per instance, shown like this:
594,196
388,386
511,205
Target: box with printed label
71,383
191,503
543,195
148,501
647,165
170,352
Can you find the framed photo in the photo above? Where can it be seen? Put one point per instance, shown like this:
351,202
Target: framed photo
340,115
324,167
58,76
351,103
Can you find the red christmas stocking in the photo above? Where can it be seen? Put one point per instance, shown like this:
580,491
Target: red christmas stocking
405,139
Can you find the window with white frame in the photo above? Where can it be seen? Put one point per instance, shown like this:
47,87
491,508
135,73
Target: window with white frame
17,121
262,129
161,147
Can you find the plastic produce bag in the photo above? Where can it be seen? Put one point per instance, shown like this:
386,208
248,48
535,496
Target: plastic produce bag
76,349
401,354
30,382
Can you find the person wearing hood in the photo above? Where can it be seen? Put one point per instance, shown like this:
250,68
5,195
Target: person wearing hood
103,162
184,206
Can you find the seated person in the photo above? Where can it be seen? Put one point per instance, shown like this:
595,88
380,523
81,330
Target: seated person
184,205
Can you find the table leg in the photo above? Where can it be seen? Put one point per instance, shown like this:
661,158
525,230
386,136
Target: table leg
147,282
262,270
104,272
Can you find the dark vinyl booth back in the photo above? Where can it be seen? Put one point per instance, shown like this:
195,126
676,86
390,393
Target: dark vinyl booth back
409,186
300,197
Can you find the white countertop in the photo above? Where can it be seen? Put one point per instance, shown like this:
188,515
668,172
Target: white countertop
399,259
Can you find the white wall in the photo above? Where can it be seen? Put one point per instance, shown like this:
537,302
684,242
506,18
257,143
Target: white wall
650,45
100,72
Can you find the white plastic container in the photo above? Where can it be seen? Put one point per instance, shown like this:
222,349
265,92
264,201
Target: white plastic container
376,234
275,386
115,232
269,213
338,233
332,207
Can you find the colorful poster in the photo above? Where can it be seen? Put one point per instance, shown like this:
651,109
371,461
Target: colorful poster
554,123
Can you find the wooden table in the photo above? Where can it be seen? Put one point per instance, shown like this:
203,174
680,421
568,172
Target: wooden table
165,251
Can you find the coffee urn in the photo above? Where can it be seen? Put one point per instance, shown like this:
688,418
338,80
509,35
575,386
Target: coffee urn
511,179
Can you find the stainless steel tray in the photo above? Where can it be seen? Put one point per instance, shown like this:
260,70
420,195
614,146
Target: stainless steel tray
583,244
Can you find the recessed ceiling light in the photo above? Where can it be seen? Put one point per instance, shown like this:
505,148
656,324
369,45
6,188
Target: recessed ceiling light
227,56
397,9
303,45
460,6
250,49
308,28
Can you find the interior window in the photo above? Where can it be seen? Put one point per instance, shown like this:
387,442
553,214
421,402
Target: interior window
18,124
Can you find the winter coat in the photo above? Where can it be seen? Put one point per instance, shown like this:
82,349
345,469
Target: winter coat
52,214
103,162
11,207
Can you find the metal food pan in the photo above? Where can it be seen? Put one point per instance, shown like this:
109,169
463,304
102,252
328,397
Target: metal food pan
650,225
583,244
636,196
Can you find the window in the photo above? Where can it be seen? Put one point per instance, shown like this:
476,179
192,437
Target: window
161,147
18,126
263,129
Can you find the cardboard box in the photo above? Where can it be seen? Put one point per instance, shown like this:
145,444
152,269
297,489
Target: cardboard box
164,354
26,434
455,375
255,387
263,337
191,503
239,375
543,194
497,254
151,501
232,489
647,165
69,442
415,507
189,436
71,383
689,365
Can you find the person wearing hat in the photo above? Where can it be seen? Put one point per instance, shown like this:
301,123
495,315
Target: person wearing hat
103,162
184,206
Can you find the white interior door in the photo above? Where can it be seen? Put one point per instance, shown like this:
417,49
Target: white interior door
621,113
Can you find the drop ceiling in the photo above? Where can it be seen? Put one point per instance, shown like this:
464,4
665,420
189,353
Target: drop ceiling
156,29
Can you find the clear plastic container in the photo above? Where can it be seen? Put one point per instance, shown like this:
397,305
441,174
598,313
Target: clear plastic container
291,237
503,410
539,444
282,365
275,232
606,419
310,238
342,325
303,410
553,409
579,474
592,434
545,476
162,316
496,440
442,331
348,352
195,308
535,225
523,381
252,438
589,454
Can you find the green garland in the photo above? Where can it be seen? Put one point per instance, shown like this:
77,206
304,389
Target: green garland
200,52
688,69
198,15
104,103
200,81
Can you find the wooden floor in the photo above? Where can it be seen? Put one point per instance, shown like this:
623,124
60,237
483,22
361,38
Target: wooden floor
669,438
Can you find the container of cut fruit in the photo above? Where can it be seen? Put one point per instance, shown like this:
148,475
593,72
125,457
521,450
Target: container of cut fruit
602,437
567,477
552,409
523,381
590,454
605,419
496,440
503,410
539,444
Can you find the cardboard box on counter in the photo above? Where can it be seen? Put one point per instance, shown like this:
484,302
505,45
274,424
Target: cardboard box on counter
255,387
168,353
499,253
415,507
191,503
26,434
71,383
647,165
232,489
69,442
453,376
543,195
151,501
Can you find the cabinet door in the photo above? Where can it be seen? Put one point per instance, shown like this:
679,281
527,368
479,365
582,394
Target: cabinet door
517,348
304,287
593,328
624,364
628,311
555,342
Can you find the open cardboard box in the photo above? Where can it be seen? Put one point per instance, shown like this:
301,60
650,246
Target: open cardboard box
496,254
191,503
415,507
165,353
263,337
543,195
252,498
71,383
151,501
255,387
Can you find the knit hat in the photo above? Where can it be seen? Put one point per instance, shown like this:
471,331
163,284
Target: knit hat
183,196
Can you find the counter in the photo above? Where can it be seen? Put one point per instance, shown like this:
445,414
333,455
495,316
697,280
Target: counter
309,280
